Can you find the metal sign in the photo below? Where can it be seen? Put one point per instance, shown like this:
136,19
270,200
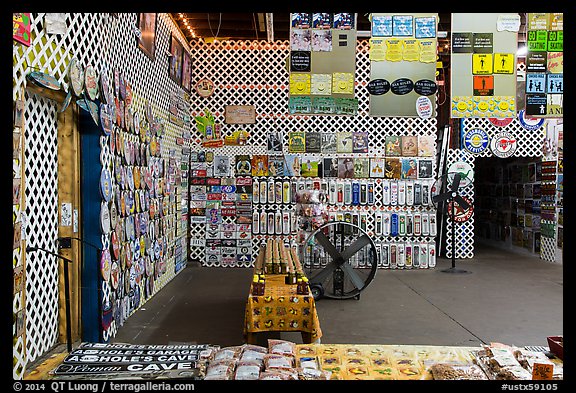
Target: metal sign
464,169
503,145
476,140
460,215
76,76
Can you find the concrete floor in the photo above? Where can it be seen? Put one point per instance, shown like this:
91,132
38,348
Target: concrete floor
506,297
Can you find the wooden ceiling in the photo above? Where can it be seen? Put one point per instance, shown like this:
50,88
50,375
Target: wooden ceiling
253,26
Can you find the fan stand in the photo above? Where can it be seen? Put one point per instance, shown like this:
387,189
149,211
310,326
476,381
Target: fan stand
453,269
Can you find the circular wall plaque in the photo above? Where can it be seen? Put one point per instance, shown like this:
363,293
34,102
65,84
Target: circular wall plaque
91,82
460,215
476,140
529,123
106,184
105,264
76,76
205,87
105,218
44,80
106,119
114,274
503,145
465,170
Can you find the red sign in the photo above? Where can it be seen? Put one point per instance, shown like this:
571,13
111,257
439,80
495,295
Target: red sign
500,122
460,215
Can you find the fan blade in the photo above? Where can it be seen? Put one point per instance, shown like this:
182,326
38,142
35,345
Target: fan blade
456,181
327,244
355,247
356,280
441,197
462,202
325,272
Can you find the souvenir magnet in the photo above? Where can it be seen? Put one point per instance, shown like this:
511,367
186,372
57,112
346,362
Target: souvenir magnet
106,184
385,255
91,82
263,221
363,194
378,225
286,192
433,228
393,193
400,258
114,275
255,191
401,224
402,192
347,193
408,255
394,224
409,193
417,193
424,255
417,224
386,192
270,223
425,194
416,255
386,224
370,188
393,256
425,225
76,76
255,222
278,223
431,254
355,193
105,264
285,222
106,121
332,196
104,218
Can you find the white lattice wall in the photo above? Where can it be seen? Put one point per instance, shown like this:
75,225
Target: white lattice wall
529,144
255,73
106,42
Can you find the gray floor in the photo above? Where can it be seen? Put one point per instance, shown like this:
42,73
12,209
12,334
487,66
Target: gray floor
506,297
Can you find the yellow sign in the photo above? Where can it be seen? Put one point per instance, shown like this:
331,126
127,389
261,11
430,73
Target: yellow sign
377,49
299,84
343,83
503,63
411,50
427,51
482,63
393,50
321,84
542,371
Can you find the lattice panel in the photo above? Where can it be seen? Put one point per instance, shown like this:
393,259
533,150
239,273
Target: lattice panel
41,196
106,42
529,144
548,249
255,73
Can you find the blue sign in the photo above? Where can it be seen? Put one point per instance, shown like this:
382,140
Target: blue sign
402,26
425,27
529,123
535,83
555,84
381,26
476,140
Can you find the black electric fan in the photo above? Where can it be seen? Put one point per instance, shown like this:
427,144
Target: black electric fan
340,260
453,196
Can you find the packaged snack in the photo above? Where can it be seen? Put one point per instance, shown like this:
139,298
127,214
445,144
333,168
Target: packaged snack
278,374
247,370
313,374
307,362
228,353
221,369
281,347
276,361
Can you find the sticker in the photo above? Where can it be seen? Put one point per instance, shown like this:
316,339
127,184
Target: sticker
503,145
378,87
460,214
425,87
476,140
424,107
106,119
105,218
500,122
529,123
76,76
106,184
91,82
464,169
402,86
105,264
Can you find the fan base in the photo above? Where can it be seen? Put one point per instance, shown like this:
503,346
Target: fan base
454,270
